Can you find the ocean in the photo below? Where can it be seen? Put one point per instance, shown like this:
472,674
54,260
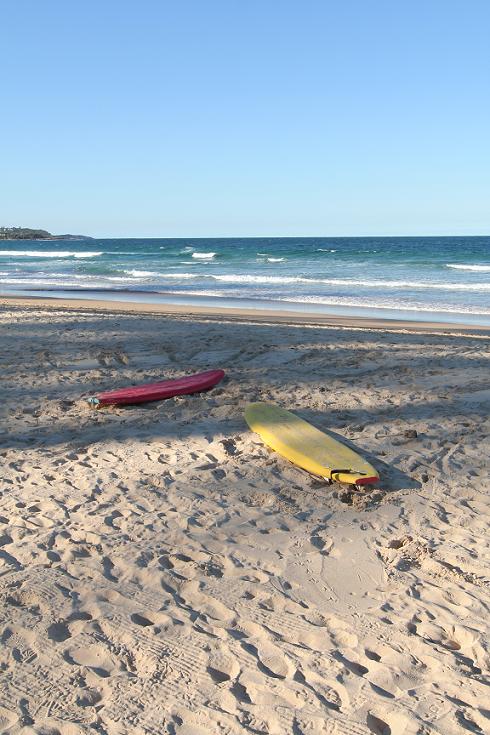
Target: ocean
423,278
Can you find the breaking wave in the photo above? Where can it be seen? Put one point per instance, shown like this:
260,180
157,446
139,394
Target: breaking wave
484,268
245,278
203,256
48,254
142,274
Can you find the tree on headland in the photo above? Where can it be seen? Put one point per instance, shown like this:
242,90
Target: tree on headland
22,233
26,233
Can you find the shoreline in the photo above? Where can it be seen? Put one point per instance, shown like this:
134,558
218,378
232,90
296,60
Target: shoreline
252,315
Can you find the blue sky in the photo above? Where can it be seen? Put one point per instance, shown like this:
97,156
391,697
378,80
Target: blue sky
206,118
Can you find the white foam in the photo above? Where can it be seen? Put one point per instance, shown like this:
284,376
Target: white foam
325,250
64,280
39,282
287,280
183,276
203,256
275,260
246,278
387,304
142,274
468,267
48,254
360,302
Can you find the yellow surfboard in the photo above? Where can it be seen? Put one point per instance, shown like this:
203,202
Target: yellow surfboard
308,447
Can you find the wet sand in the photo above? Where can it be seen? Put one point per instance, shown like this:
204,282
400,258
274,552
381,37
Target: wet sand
284,316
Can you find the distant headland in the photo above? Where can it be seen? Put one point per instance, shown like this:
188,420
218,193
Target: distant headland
25,233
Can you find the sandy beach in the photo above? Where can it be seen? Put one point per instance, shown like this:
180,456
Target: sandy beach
162,571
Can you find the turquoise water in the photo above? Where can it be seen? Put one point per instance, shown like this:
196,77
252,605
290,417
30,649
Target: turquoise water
447,278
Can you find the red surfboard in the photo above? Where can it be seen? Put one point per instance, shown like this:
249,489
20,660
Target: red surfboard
158,391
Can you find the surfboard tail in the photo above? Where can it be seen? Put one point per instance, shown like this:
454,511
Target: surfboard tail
366,480
351,477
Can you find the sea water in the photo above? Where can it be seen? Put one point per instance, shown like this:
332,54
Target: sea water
423,278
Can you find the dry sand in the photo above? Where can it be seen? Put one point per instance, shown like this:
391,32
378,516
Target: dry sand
162,572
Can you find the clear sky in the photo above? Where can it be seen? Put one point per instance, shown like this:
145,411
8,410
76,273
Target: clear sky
259,117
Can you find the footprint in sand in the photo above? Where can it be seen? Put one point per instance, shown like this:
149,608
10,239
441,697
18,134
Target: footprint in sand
396,722
377,726
7,719
94,657
222,666
90,697
107,358
261,721
205,604
274,661
59,632
19,643
331,694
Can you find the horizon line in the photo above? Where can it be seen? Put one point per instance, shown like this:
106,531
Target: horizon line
267,237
